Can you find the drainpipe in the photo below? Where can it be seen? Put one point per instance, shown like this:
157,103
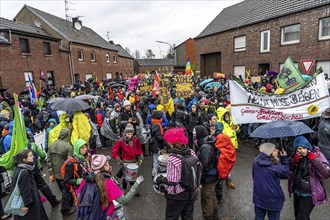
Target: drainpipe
10,36
71,64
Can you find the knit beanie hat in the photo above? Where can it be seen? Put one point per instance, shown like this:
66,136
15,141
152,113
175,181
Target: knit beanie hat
129,128
126,103
218,127
267,148
116,105
98,161
209,116
302,142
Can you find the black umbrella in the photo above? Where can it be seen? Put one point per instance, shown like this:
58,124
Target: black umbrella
70,104
117,85
278,129
3,89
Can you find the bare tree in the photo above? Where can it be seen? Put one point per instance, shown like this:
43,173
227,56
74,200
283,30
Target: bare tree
136,54
149,54
128,50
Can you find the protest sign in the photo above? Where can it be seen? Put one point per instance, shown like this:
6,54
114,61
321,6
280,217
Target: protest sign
252,106
289,78
183,86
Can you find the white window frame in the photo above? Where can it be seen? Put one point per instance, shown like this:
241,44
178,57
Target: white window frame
325,66
282,64
107,58
93,56
109,75
26,78
88,76
327,37
240,43
114,57
51,80
283,35
82,54
262,41
239,70
125,62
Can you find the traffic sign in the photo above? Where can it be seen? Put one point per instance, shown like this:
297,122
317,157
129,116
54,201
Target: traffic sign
307,65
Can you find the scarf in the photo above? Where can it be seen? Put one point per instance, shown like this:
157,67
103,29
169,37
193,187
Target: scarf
158,122
185,150
26,166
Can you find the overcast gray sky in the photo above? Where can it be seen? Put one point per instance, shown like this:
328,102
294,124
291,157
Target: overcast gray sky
133,24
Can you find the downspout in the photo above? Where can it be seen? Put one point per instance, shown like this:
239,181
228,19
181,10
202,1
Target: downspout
10,36
71,64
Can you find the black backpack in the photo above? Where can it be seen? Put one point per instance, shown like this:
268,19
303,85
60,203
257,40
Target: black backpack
191,172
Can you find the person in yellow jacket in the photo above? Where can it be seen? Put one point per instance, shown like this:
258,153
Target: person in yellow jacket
55,132
81,127
229,128
169,106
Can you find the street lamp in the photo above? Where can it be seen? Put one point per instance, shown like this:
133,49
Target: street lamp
172,49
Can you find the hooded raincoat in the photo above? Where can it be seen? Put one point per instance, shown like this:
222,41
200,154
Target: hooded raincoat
54,133
81,127
227,157
227,125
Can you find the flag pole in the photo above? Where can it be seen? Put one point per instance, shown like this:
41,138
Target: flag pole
39,85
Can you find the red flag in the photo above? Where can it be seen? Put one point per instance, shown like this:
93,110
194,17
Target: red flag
111,95
42,75
155,89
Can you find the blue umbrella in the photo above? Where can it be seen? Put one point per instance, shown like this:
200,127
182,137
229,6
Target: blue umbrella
306,77
278,129
212,84
206,82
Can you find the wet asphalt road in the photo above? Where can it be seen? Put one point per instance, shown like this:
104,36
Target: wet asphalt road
237,203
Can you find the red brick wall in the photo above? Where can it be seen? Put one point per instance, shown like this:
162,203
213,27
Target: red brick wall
13,64
190,50
309,46
100,67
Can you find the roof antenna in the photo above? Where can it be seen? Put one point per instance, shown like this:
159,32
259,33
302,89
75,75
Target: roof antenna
67,9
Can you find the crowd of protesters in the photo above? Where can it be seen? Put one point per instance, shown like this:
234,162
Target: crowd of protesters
134,124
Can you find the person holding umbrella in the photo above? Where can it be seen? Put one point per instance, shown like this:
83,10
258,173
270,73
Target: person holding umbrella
308,167
268,169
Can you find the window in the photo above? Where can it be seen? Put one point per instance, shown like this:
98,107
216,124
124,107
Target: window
265,41
80,55
47,48
239,70
93,56
129,63
290,34
107,58
26,78
282,64
114,59
325,66
125,62
89,76
240,43
50,78
109,75
324,28
24,45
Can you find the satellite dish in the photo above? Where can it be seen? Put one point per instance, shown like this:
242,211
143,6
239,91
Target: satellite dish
37,23
77,26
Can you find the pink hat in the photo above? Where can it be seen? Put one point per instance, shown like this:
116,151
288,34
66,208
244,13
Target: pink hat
98,161
176,135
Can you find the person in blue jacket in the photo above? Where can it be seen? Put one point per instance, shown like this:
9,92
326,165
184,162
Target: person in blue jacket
269,168
7,138
151,108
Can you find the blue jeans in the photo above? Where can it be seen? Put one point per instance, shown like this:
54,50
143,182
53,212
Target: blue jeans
261,213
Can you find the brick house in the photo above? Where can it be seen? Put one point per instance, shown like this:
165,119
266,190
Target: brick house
150,65
125,60
184,51
89,53
260,35
25,50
